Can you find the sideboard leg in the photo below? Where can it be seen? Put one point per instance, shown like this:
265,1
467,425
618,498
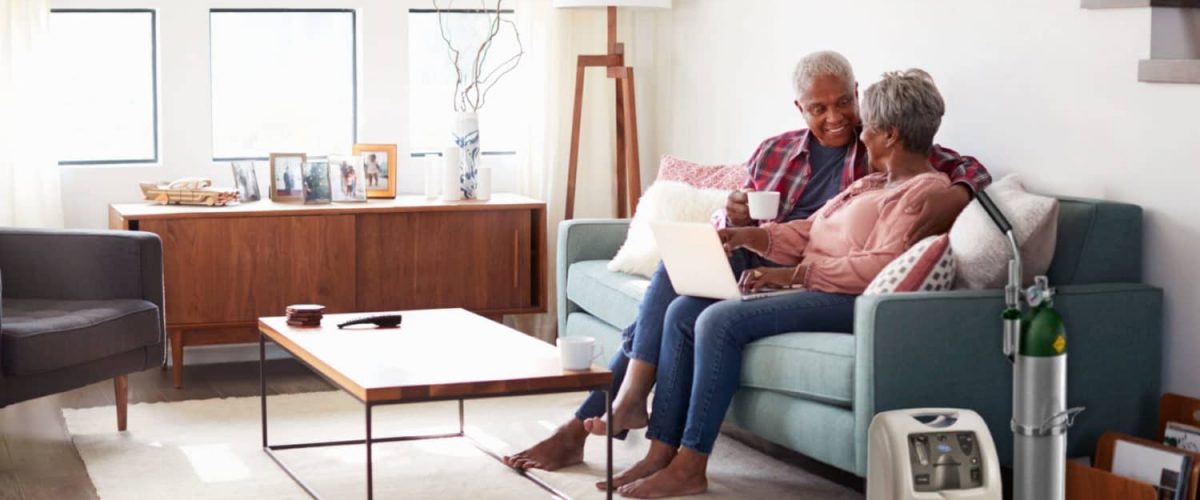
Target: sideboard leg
177,357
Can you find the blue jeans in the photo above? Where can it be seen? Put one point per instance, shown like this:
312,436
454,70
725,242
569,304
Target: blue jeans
642,340
702,363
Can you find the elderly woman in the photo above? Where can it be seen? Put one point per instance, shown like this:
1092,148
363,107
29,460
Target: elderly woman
833,255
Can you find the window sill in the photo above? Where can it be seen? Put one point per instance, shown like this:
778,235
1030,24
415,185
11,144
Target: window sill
1169,70
1126,4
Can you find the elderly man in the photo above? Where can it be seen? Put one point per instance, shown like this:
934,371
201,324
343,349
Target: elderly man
808,167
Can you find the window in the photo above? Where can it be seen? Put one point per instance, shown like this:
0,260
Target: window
282,81
431,81
104,86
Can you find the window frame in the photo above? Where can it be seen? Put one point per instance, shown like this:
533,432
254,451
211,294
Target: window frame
153,83
422,153
353,71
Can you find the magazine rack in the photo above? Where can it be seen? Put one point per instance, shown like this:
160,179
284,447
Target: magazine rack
1099,483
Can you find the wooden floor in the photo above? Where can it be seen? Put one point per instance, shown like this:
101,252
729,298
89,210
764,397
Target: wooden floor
38,461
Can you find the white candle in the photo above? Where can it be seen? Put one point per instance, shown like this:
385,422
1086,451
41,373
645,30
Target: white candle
484,190
450,173
433,177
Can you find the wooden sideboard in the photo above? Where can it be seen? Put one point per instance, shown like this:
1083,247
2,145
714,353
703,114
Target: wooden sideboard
224,267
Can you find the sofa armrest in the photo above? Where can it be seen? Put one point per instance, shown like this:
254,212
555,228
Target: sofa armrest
579,240
81,264
944,349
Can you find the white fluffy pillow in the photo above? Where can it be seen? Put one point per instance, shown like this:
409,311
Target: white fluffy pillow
982,252
664,201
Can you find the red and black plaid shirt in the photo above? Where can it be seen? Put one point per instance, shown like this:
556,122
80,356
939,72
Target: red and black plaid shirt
781,163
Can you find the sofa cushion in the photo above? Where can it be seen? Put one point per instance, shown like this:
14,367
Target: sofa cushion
665,201
982,252
817,366
723,177
40,335
611,296
926,267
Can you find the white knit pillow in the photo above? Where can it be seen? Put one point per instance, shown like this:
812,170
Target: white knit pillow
664,201
982,252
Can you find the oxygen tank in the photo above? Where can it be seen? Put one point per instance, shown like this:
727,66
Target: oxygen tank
1040,415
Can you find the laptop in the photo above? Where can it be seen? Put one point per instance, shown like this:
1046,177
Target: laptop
697,265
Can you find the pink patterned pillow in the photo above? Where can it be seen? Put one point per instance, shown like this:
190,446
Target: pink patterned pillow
726,177
926,267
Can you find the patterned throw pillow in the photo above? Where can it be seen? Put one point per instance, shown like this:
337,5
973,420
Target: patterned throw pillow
727,177
926,267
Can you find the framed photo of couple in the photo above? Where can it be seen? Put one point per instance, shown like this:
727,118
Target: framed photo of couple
287,176
379,165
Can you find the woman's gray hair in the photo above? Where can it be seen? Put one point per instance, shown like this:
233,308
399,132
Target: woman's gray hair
909,101
825,62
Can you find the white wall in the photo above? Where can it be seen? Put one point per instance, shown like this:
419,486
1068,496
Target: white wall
185,123
1037,87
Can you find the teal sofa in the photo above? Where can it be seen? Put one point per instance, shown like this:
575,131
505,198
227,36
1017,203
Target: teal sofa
816,392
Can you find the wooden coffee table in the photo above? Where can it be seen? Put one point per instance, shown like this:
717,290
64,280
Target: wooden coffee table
435,355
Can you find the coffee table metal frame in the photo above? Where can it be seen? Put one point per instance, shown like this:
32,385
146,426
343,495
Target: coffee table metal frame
370,440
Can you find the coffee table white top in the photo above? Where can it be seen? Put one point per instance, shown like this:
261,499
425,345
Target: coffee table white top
434,354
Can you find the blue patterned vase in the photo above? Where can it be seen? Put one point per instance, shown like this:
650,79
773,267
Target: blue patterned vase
466,137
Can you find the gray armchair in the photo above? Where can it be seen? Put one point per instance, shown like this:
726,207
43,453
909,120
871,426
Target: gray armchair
78,307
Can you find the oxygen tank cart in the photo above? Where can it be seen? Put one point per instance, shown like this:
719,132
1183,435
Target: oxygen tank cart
1035,342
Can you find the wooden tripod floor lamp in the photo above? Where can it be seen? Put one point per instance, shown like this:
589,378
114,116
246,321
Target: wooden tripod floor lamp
628,173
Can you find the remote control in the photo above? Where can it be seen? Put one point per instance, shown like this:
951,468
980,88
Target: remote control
381,321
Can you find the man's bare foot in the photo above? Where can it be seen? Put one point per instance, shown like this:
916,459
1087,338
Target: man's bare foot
561,449
685,475
628,415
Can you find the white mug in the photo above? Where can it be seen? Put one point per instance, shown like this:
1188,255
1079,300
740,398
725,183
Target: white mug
577,353
764,205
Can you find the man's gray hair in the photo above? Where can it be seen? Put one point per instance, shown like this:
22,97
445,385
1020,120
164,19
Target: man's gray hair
909,101
825,62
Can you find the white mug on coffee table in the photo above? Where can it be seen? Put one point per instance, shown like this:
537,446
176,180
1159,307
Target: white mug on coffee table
764,205
577,353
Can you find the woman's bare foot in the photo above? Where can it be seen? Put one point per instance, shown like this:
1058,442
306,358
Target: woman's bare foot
685,475
561,449
626,415
656,458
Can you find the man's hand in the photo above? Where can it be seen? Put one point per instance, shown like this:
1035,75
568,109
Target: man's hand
757,279
737,208
936,213
754,238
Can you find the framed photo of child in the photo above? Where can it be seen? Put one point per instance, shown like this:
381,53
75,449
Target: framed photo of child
347,179
379,167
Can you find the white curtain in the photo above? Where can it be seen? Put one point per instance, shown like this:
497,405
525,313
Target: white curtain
30,193
552,39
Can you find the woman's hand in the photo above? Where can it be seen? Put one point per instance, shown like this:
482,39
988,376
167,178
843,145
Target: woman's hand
754,238
757,279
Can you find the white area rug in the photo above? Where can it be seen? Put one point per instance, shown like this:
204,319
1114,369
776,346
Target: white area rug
212,449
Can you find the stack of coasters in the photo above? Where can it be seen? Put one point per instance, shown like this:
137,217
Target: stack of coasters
305,314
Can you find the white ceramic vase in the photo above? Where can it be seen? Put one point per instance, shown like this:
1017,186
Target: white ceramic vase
466,138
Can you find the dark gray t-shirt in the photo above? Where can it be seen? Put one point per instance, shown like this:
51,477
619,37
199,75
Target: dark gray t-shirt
825,180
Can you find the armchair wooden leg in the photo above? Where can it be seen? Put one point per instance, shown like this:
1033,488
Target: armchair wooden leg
121,384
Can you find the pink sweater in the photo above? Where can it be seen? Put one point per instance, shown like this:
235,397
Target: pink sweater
850,239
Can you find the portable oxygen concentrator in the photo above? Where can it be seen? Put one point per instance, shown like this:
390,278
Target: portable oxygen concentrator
931,453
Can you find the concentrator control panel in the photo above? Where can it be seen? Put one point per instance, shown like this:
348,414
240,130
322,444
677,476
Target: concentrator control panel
945,461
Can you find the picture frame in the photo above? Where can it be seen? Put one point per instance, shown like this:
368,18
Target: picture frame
287,176
316,183
246,181
380,165
347,179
